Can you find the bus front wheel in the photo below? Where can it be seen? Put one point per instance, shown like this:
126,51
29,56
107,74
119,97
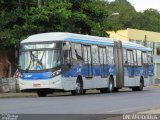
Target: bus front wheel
79,88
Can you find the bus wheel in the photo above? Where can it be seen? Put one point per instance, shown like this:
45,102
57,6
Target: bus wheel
84,91
110,85
41,94
79,88
103,90
140,87
116,89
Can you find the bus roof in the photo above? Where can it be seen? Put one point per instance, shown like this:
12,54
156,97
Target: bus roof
79,38
131,45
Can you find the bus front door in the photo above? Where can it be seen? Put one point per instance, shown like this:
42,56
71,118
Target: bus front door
87,60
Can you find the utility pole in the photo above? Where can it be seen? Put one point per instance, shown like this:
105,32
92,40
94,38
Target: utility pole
145,41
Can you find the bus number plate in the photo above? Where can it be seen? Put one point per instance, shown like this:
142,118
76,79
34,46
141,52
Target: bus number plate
36,85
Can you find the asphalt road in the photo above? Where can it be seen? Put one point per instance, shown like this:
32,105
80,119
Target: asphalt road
109,103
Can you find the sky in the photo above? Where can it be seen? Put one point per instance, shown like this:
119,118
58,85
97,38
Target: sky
141,5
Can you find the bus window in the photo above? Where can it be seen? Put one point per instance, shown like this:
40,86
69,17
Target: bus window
104,56
149,57
139,59
77,51
135,57
130,57
110,57
101,56
66,48
95,58
87,59
87,54
125,56
144,58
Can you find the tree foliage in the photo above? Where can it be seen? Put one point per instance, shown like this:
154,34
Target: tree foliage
21,18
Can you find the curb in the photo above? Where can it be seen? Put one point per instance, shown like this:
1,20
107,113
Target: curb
17,95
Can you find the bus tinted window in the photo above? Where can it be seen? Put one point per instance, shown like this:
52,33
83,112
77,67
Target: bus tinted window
95,58
139,59
87,54
130,57
77,51
150,59
101,55
144,57
110,57
124,56
104,56
135,57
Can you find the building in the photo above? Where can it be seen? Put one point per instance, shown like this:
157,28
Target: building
146,38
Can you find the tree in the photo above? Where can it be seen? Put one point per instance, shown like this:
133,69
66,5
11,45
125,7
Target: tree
151,20
89,17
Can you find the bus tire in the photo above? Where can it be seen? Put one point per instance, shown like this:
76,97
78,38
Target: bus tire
140,87
103,90
84,91
41,94
79,88
116,89
110,85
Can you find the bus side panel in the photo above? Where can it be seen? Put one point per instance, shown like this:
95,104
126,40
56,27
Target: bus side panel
151,74
97,81
138,72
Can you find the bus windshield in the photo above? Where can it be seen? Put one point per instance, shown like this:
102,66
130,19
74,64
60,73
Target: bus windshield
39,59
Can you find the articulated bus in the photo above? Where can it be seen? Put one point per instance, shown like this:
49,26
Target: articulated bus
59,61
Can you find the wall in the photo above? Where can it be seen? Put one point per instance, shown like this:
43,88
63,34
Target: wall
134,34
140,35
8,85
119,35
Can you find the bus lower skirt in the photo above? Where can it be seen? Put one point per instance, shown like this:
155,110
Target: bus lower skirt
47,90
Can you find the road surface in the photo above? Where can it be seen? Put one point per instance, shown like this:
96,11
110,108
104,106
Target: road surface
109,103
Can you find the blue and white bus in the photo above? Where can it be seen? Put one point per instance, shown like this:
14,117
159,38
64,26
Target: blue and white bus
59,61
